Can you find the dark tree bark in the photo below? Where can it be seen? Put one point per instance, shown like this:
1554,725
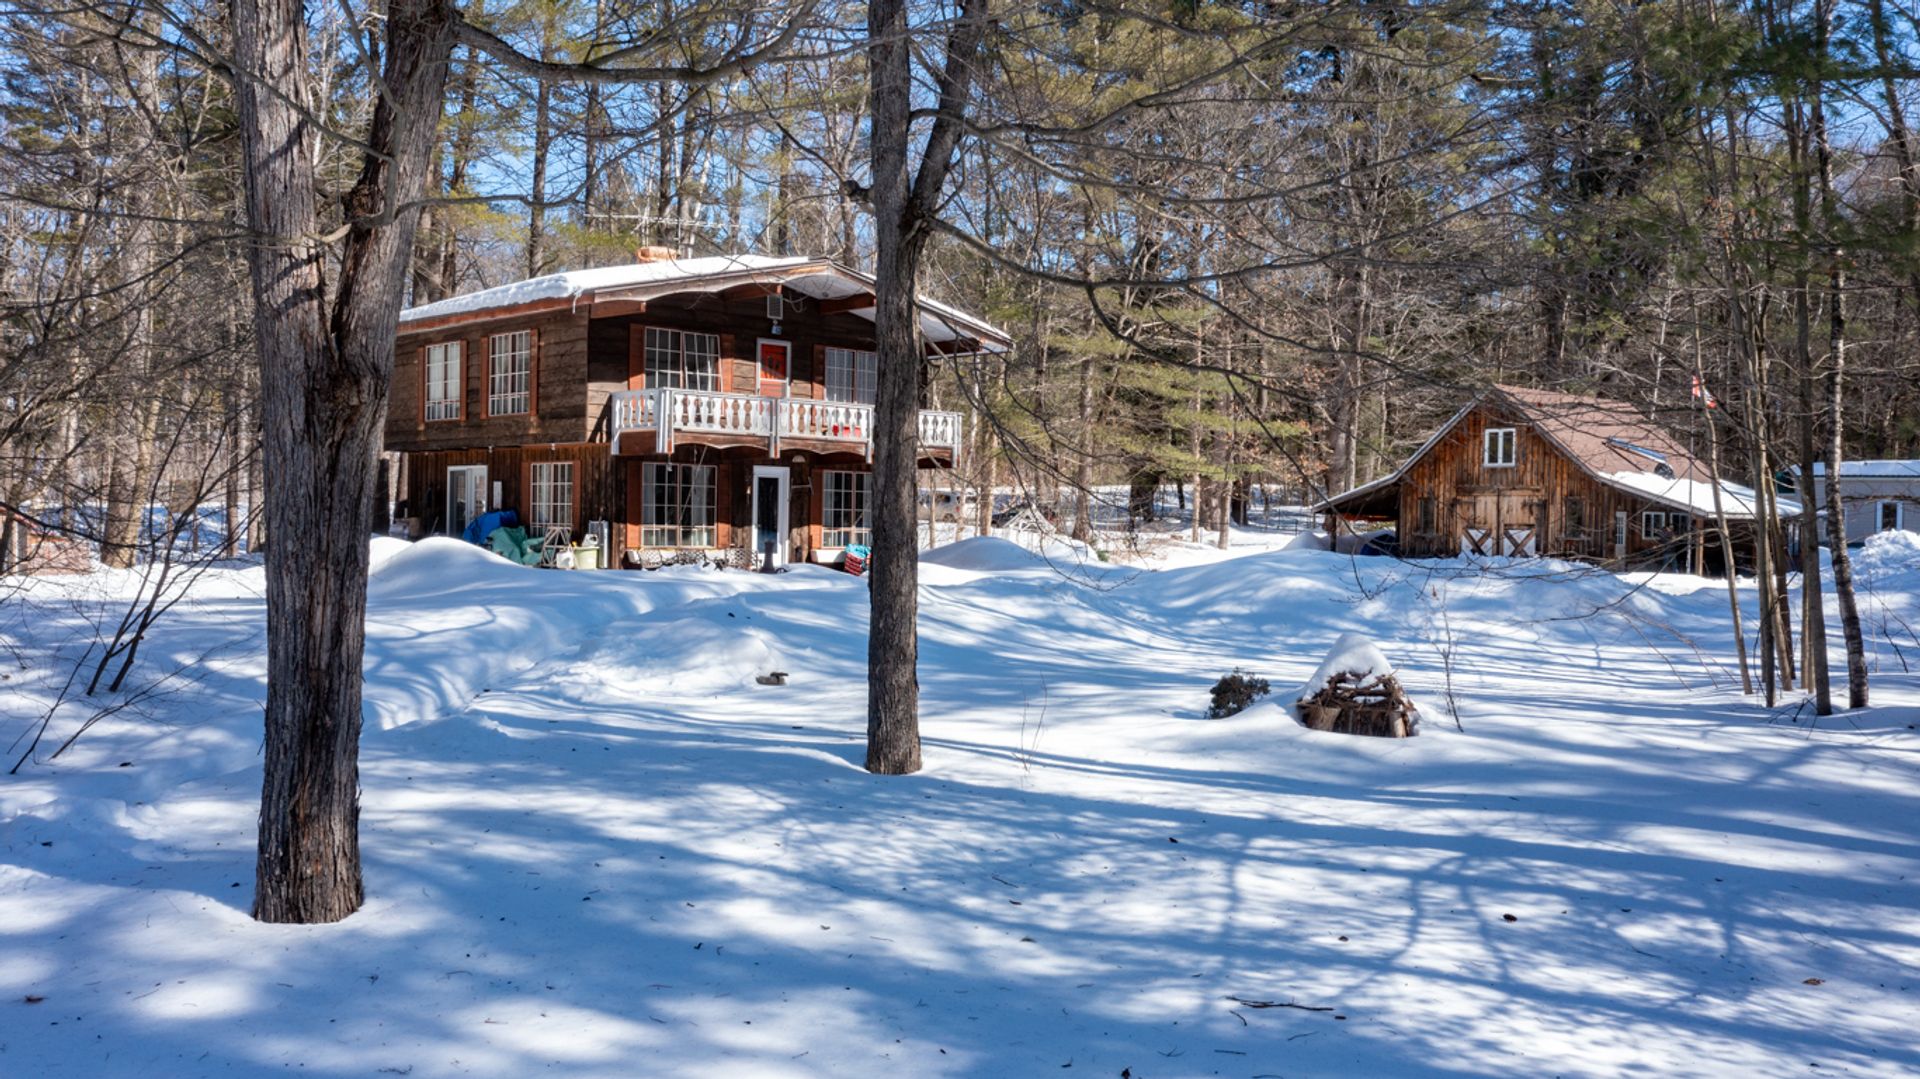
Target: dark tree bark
325,366
904,200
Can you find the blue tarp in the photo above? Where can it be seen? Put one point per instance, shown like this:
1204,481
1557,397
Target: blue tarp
482,526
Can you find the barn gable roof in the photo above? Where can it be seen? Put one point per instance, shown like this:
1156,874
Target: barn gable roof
1608,439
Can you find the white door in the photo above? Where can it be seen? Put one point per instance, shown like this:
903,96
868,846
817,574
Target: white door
770,489
466,496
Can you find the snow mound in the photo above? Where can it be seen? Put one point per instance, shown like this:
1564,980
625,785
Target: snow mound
384,549
1309,541
1890,552
985,554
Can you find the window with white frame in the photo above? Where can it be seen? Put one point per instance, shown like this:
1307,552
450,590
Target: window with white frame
1498,448
850,374
1652,524
844,510
510,373
1892,517
677,505
443,381
677,360
552,501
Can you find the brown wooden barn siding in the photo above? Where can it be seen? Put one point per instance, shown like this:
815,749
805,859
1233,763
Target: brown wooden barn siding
741,324
595,495
1453,475
559,397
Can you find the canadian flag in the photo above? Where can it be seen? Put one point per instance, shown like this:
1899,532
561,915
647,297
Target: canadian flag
1702,394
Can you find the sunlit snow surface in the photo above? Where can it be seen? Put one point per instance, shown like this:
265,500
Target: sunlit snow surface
596,847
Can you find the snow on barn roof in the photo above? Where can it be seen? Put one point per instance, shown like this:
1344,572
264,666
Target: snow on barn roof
1608,439
818,278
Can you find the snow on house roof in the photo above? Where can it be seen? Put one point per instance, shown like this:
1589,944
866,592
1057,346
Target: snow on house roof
1889,469
821,279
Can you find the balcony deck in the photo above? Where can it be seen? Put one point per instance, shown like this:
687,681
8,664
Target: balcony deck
656,421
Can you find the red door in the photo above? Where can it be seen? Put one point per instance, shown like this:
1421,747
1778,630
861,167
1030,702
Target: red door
773,368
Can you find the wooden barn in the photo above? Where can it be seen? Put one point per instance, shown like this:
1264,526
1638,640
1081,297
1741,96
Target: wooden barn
711,406
1523,472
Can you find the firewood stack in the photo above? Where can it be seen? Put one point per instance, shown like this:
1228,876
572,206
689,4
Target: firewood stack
1360,702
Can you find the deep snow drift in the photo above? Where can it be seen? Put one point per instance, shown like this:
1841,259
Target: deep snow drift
595,847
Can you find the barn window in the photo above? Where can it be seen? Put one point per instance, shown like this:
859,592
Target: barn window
1576,516
1427,525
1499,447
510,374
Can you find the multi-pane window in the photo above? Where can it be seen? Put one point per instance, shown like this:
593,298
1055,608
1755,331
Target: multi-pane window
552,501
844,510
1499,447
1652,524
682,361
850,376
510,373
677,506
443,381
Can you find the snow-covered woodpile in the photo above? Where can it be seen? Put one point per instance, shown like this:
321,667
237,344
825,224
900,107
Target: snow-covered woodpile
1355,692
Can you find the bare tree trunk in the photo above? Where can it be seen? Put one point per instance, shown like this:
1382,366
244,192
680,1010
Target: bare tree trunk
542,142
1083,467
903,200
325,370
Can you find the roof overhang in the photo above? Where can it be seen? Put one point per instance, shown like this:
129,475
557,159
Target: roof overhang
831,287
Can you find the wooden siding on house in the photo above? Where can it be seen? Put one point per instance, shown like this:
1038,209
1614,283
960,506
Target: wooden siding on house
424,481
559,399
741,323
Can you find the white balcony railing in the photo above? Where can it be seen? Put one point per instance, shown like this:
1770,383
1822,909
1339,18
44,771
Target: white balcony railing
666,413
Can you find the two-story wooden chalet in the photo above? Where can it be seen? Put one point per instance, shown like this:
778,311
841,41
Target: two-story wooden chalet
708,404
1520,472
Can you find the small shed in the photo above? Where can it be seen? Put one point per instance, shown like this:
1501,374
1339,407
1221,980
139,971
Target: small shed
1877,496
1521,472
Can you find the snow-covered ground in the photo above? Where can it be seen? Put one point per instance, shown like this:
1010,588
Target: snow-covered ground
596,847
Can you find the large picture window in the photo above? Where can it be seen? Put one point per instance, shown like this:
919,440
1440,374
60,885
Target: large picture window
552,501
1500,447
677,506
682,361
510,374
443,381
850,376
844,510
